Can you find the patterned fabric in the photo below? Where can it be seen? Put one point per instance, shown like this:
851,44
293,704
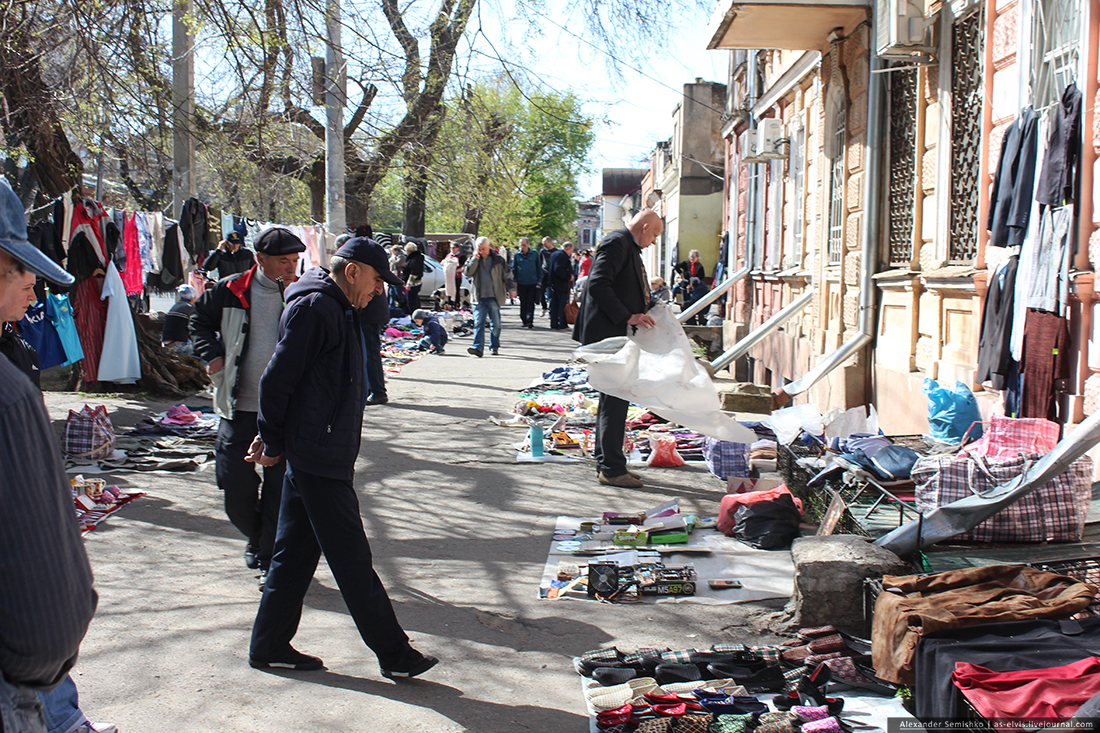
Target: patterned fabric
825,725
725,459
693,723
827,644
815,659
656,725
732,724
680,656
770,654
610,654
792,676
806,713
1053,513
1008,438
776,723
816,632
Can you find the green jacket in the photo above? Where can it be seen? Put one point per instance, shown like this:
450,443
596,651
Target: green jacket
502,278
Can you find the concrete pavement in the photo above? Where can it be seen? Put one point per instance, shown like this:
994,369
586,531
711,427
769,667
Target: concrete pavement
460,534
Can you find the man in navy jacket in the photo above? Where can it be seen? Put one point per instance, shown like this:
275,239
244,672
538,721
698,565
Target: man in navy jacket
311,411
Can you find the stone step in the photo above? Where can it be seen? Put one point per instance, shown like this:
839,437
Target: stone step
743,396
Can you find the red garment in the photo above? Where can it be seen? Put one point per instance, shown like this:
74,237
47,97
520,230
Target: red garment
1046,338
88,218
1051,693
131,278
586,265
90,315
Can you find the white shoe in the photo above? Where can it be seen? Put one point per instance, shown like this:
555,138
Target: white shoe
89,727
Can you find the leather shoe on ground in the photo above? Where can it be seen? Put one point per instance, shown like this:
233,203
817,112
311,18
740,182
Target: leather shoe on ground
411,664
476,352
626,481
251,556
263,579
635,475
378,400
495,352
289,658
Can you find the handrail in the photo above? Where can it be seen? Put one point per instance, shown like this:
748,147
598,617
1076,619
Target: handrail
757,334
715,293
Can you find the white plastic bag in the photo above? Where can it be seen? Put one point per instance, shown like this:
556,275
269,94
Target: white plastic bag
655,368
790,420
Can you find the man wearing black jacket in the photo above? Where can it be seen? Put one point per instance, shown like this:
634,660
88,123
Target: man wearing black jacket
311,412
561,281
615,299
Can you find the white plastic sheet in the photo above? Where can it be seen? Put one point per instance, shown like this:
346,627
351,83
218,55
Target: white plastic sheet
655,368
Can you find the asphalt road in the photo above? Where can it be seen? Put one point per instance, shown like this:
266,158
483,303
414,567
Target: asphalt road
460,534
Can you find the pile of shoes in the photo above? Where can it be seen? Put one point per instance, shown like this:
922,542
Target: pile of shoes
743,667
846,660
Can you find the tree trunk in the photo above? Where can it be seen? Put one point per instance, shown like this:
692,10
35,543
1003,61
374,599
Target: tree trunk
31,119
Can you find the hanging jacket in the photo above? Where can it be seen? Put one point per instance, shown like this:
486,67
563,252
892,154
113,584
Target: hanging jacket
171,270
1060,179
311,394
195,227
1010,202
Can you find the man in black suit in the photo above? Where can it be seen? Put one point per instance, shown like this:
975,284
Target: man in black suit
616,297
561,281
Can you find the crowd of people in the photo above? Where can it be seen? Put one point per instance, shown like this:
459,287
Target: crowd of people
295,359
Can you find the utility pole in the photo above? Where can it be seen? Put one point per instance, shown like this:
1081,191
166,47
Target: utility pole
183,106
335,96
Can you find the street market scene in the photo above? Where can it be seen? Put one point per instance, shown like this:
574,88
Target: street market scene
457,367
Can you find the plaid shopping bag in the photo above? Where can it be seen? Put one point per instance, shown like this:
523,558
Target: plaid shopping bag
88,434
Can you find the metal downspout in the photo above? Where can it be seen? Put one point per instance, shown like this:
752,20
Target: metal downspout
714,294
757,334
868,256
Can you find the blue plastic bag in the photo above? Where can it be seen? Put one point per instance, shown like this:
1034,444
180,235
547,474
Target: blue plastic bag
952,412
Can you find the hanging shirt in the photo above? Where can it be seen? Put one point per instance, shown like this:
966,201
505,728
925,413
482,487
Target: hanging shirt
60,312
119,361
38,331
132,277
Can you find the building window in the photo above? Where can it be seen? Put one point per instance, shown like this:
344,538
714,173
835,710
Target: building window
903,150
836,117
798,174
966,135
1055,35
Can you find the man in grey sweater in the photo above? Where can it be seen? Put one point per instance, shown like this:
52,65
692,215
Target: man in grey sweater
235,329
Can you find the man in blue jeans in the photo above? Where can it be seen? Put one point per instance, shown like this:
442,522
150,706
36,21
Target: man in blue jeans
490,283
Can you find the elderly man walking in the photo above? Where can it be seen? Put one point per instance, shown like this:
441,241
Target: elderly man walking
490,283
234,330
311,413
616,298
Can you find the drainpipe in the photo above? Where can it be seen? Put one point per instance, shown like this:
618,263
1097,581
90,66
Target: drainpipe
868,261
757,334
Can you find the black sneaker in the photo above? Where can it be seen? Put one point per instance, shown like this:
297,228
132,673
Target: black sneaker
251,556
476,352
495,352
378,400
290,658
263,579
411,664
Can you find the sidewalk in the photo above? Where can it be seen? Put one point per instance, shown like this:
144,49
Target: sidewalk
459,533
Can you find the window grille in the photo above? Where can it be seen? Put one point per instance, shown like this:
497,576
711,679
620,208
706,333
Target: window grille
903,163
1056,39
966,136
836,183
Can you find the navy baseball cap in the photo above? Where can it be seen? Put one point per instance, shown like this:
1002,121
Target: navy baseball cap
234,237
277,241
369,252
13,239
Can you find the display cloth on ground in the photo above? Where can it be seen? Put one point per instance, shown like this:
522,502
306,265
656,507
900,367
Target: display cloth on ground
656,368
640,552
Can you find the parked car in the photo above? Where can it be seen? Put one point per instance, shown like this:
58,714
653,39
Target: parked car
433,285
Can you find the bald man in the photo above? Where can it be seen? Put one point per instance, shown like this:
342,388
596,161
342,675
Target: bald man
614,302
